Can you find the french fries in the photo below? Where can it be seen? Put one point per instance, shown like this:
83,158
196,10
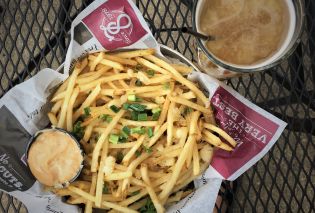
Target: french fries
146,130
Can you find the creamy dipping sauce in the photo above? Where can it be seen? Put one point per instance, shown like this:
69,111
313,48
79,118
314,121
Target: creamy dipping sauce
246,31
54,158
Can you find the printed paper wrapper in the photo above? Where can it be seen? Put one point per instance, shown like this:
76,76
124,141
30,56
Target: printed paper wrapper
109,25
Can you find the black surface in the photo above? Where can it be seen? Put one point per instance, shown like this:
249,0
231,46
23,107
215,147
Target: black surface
33,36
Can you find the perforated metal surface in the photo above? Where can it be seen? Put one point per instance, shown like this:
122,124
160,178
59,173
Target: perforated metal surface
33,36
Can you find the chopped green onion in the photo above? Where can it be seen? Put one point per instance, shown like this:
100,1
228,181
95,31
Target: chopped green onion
105,188
126,106
87,111
106,118
148,207
97,137
155,110
126,130
134,115
138,153
156,116
166,86
137,107
138,130
138,83
138,67
113,138
78,130
122,139
123,135
114,108
150,73
187,110
142,117
135,193
119,157
132,97
103,117
109,119
150,132
147,149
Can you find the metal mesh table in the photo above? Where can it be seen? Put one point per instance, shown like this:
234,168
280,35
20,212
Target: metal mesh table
34,35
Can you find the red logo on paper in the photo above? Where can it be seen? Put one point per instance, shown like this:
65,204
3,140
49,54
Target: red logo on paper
250,129
115,24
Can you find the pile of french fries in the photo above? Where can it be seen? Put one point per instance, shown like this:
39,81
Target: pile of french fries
146,130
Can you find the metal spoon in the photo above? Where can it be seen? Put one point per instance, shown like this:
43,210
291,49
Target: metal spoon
196,34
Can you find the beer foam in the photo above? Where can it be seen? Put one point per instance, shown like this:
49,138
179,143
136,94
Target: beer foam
249,34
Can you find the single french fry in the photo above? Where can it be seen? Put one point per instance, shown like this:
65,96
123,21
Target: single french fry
190,104
94,75
137,123
82,193
157,204
63,192
183,133
221,132
112,64
59,97
56,107
52,118
153,94
215,141
196,165
135,53
116,59
193,127
132,151
160,79
100,175
170,120
88,131
69,118
102,138
117,207
89,204
164,111
118,176
188,95
151,66
206,153
136,182
88,101
62,87
122,145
